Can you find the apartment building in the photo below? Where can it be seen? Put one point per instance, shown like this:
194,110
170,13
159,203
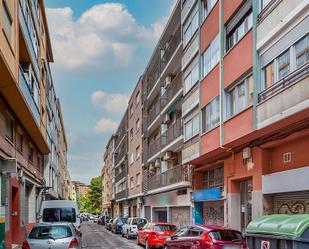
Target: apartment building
120,171
253,59
135,148
25,54
166,179
107,177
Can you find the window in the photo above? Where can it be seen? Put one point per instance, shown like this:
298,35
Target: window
284,64
59,215
211,114
19,142
30,155
192,78
213,178
211,56
190,26
287,62
6,21
132,182
137,125
131,158
137,98
240,96
9,127
192,127
302,51
240,30
131,134
47,232
138,152
138,179
207,6
131,109
264,3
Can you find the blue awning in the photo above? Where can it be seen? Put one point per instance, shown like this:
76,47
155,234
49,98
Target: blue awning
212,194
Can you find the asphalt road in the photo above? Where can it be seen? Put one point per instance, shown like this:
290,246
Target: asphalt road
97,237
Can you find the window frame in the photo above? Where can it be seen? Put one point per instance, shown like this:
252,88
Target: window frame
205,13
188,26
209,109
208,52
6,13
191,122
9,120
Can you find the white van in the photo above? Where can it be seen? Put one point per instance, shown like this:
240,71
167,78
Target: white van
60,211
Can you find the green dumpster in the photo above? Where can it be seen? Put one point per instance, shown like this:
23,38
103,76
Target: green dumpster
279,231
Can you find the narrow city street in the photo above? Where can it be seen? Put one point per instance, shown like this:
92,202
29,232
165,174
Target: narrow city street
97,237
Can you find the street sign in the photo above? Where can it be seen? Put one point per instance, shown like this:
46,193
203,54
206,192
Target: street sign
265,244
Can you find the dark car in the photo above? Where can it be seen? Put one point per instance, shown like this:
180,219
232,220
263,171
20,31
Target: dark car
108,224
103,219
117,224
206,237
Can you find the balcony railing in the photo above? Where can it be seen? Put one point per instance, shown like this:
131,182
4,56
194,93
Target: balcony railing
26,32
123,174
289,80
153,76
121,151
24,87
154,111
121,195
171,91
174,175
173,131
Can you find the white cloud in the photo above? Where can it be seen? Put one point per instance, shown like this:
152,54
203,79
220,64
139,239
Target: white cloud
115,102
72,137
105,35
105,125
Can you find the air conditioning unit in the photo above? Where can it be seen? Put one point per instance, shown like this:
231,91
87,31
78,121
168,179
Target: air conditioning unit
167,155
246,153
157,163
167,81
167,118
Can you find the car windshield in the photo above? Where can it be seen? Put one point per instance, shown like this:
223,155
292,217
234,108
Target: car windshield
139,222
226,235
59,215
47,232
165,228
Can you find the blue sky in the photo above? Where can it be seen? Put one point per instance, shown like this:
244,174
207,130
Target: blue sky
100,49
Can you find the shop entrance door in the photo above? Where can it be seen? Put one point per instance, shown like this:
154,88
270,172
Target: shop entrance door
245,203
15,215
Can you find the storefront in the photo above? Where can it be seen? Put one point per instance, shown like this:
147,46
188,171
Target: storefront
173,206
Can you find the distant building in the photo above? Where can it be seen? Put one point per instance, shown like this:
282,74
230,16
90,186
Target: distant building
80,188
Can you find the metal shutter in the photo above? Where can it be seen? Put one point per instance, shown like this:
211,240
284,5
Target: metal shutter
291,203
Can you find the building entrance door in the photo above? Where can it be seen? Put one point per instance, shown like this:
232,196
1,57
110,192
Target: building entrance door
15,215
245,203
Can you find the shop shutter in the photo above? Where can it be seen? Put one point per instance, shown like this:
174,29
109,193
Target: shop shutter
180,216
291,203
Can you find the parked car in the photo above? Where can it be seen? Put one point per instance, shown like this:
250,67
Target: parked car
117,224
53,235
154,234
102,220
109,224
60,211
130,228
206,237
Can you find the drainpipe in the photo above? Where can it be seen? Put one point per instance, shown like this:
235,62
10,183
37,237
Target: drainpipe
221,77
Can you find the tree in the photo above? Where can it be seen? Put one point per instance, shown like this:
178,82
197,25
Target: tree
94,195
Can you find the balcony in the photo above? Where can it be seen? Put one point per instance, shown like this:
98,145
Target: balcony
177,174
121,151
172,133
171,91
28,97
153,76
26,33
121,195
122,174
284,98
154,111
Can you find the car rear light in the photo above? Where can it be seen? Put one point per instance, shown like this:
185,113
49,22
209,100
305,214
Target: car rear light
78,228
73,244
207,240
25,245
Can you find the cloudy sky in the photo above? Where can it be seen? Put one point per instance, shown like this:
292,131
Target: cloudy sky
100,49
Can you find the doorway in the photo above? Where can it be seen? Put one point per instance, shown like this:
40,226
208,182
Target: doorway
245,203
15,215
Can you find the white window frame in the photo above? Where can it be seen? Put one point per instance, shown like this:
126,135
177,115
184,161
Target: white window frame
193,132
189,82
213,58
208,111
187,26
211,4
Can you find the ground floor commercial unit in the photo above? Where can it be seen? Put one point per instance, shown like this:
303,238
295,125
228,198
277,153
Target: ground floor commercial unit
269,178
171,206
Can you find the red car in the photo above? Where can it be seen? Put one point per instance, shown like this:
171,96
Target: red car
206,237
153,235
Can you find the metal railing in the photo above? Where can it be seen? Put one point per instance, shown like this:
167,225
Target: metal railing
121,195
24,87
122,174
153,76
154,111
287,81
173,131
121,151
171,91
174,175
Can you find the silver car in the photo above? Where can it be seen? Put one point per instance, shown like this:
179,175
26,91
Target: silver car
130,228
53,236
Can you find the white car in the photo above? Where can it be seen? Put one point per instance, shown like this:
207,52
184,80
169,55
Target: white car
130,228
